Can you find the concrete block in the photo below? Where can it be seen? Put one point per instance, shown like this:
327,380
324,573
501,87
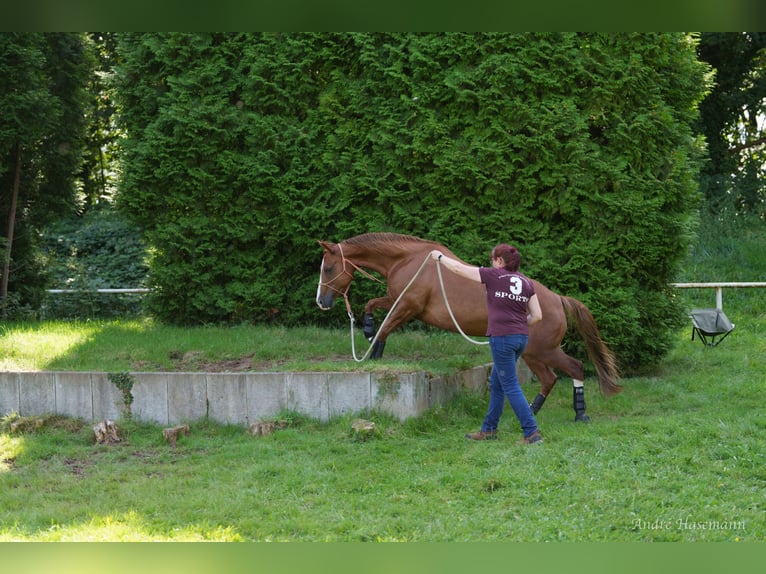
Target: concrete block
187,397
418,399
227,398
384,392
307,393
74,395
348,393
38,394
108,401
234,398
477,378
524,373
150,397
443,389
403,395
9,393
266,395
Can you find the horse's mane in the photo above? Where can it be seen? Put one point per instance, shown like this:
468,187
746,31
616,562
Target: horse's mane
381,237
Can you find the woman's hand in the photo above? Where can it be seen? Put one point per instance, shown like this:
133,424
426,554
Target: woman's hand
456,266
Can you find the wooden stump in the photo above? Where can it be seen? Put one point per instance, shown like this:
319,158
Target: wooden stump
263,428
171,434
362,428
107,432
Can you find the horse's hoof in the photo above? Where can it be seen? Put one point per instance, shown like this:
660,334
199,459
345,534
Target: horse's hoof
582,418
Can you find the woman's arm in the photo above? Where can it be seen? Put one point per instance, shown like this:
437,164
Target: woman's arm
467,271
535,313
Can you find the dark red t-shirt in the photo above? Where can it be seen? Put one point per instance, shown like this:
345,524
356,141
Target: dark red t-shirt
508,293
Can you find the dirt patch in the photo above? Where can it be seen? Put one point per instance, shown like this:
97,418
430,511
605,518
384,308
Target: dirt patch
195,362
77,466
243,364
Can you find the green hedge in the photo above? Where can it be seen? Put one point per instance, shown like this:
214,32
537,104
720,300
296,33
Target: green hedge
98,250
244,149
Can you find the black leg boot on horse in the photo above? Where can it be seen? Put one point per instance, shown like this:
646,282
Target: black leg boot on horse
578,402
537,404
369,331
369,326
377,349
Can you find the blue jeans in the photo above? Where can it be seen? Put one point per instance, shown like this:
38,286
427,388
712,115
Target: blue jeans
504,382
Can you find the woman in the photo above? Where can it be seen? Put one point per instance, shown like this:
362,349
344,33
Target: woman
512,307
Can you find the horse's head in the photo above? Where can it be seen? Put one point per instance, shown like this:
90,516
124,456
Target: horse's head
335,275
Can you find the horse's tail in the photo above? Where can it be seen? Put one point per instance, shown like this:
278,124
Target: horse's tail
599,354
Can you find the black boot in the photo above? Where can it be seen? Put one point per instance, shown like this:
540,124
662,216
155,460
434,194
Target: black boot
377,349
578,402
369,326
537,404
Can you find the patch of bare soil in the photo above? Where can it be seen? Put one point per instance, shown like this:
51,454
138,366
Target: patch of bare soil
195,361
77,466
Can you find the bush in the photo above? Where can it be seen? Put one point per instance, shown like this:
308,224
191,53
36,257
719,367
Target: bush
243,150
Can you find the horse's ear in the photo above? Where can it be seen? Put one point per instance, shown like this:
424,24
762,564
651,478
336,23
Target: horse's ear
327,246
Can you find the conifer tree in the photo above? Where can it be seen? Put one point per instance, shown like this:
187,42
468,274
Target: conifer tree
244,149
41,105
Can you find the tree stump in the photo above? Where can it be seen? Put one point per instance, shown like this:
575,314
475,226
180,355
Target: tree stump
363,427
263,428
171,434
107,432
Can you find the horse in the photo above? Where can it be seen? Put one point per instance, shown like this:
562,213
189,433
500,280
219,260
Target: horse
399,258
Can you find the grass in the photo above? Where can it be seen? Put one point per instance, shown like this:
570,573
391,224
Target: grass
678,456
143,345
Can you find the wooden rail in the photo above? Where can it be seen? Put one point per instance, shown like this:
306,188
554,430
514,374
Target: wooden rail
718,288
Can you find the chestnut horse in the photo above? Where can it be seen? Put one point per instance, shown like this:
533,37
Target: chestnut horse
399,258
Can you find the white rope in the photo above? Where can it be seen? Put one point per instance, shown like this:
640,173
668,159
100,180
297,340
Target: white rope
375,338
415,276
446,302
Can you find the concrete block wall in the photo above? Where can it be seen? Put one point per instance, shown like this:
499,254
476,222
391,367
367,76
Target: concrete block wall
233,398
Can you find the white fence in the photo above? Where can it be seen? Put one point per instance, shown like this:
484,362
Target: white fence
99,290
718,288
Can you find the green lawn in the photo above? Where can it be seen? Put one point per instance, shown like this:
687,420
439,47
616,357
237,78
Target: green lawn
143,345
678,456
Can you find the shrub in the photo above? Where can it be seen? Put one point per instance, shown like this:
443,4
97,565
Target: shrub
243,150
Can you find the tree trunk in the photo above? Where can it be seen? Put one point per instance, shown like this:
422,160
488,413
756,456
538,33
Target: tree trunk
11,224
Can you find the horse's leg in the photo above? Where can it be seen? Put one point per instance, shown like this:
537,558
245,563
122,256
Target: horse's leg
368,322
578,401
558,359
377,349
401,315
547,379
